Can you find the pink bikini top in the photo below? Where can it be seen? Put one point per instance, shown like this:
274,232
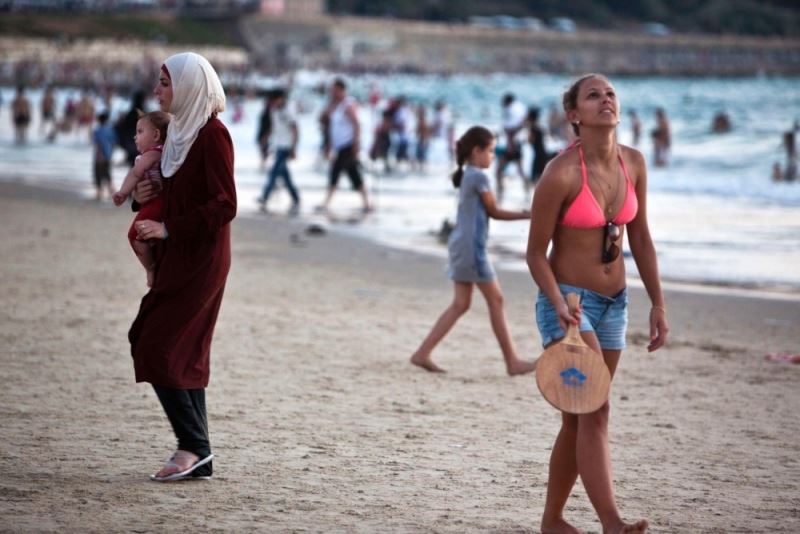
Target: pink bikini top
585,212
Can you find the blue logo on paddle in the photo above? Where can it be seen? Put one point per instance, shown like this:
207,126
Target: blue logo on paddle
572,377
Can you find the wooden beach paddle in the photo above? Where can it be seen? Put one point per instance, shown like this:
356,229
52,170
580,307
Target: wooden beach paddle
571,376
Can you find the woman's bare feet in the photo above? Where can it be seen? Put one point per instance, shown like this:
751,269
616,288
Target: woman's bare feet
179,462
426,363
640,527
520,367
559,527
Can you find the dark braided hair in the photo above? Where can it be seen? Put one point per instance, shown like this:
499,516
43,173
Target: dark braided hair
477,136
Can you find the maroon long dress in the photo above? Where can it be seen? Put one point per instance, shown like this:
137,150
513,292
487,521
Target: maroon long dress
171,336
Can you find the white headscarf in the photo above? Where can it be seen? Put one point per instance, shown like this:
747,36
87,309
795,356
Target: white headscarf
196,94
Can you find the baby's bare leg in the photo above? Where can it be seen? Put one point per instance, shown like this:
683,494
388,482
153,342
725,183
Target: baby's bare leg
144,252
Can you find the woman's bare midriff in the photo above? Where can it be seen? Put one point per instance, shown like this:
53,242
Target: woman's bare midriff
576,260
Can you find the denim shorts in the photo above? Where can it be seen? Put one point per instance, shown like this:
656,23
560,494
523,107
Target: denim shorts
606,316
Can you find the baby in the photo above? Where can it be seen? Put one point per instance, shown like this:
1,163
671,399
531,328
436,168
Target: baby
151,132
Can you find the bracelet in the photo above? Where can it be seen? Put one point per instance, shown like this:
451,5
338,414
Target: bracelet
662,308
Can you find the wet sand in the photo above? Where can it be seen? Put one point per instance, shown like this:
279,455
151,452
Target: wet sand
320,424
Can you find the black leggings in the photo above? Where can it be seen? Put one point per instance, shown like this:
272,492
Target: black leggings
186,411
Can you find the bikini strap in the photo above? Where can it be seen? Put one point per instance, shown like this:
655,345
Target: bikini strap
570,146
624,167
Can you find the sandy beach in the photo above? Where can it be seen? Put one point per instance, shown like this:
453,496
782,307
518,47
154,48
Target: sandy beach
320,424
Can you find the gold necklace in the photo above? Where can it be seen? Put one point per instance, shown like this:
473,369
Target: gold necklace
609,205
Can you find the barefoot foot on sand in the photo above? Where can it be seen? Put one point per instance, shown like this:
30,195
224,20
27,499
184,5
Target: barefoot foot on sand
426,363
179,462
520,367
560,527
640,527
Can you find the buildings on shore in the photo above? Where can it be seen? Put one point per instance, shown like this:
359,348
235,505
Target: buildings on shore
380,45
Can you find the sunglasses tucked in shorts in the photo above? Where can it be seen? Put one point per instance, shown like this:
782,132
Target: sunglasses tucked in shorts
606,316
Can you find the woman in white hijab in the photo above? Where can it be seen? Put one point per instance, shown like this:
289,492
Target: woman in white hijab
171,336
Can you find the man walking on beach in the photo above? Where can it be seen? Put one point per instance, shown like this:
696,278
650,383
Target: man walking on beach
283,139
443,128
21,115
514,114
344,136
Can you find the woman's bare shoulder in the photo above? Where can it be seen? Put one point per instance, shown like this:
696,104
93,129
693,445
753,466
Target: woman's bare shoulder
633,158
632,155
561,170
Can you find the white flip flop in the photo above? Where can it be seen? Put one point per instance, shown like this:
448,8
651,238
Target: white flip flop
184,474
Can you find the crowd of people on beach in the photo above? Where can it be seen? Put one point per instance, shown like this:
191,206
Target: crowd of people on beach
401,139
78,116
403,135
341,135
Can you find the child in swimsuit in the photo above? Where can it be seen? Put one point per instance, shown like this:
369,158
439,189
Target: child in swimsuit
151,132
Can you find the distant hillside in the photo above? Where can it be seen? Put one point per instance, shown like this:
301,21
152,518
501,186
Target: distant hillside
744,17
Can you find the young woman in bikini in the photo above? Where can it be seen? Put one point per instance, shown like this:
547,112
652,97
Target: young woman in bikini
586,199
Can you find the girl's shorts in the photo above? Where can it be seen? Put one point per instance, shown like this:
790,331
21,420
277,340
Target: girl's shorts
606,316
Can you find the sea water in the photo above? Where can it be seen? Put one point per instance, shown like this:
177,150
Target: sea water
715,215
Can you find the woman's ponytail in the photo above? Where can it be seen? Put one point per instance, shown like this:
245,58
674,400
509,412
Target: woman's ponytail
477,136
459,172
